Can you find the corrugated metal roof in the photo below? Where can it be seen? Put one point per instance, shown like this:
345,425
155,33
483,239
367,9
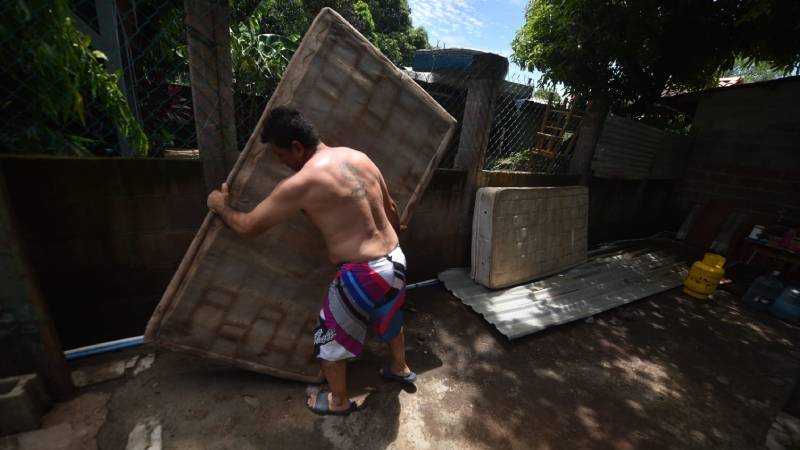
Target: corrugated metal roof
588,289
634,151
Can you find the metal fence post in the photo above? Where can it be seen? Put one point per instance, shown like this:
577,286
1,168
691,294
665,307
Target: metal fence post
208,35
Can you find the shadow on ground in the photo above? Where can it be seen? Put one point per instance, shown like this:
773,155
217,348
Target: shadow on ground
666,372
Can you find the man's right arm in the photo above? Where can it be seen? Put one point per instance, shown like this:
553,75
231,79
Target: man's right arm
284,201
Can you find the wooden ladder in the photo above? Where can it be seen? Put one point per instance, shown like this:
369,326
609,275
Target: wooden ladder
556,121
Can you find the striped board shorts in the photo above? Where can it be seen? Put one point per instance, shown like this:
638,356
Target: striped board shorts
361,295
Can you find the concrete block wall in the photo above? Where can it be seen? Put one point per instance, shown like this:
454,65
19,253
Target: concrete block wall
747,150
618,209
524,233
627,209
760,191
104,236
433,241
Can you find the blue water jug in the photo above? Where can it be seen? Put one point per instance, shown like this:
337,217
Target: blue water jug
787,305
763,292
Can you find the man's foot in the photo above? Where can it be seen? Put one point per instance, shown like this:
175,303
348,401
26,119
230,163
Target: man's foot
404,376
322,402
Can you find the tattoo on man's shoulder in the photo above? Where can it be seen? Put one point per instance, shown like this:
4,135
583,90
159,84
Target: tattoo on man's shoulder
351,174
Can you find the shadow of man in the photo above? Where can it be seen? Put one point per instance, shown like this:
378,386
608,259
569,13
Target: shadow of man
376,423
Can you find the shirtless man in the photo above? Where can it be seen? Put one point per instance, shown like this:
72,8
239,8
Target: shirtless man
345,196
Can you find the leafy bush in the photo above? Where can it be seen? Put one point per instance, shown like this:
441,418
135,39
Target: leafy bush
57,95
259,58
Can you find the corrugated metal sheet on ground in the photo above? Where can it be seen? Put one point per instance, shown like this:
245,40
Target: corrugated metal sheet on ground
634,151
254,302
591,288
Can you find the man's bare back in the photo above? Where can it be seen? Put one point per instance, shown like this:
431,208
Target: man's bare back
342,192
347,199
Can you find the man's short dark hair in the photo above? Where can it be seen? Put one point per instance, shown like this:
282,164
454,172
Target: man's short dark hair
285,124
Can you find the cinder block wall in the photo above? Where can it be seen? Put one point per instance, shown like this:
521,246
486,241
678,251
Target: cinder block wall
625,209
104,236
747,150
433,241
618,209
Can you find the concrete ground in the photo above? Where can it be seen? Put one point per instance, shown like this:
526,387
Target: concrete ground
665,372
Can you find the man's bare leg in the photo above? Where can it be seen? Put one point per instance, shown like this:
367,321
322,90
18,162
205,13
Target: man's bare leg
336,375
398,348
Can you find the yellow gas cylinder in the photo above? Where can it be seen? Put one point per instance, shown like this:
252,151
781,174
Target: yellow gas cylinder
704,276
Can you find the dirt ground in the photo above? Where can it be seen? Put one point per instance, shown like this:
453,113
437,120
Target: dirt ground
665,372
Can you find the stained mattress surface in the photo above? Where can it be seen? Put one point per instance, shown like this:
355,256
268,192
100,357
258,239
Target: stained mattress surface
523,233
254,302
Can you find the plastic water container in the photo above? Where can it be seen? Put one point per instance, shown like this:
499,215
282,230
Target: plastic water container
763,292
787,305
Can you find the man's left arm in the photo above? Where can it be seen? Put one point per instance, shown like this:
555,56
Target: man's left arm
284,201
389,205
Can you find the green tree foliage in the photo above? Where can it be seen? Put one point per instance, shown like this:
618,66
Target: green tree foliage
386,23
259,58
159,45
283,17
400,47
394,35
54,86
547,94
391,16
160,64
752,71
630,51
63,100
265,34
263,37
365,19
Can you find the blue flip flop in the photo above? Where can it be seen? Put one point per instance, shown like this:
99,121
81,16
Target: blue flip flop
322,407
387,373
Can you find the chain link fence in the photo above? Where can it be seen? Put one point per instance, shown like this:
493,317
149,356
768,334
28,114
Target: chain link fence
60,93
143,46
530,133
99,77
154,68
